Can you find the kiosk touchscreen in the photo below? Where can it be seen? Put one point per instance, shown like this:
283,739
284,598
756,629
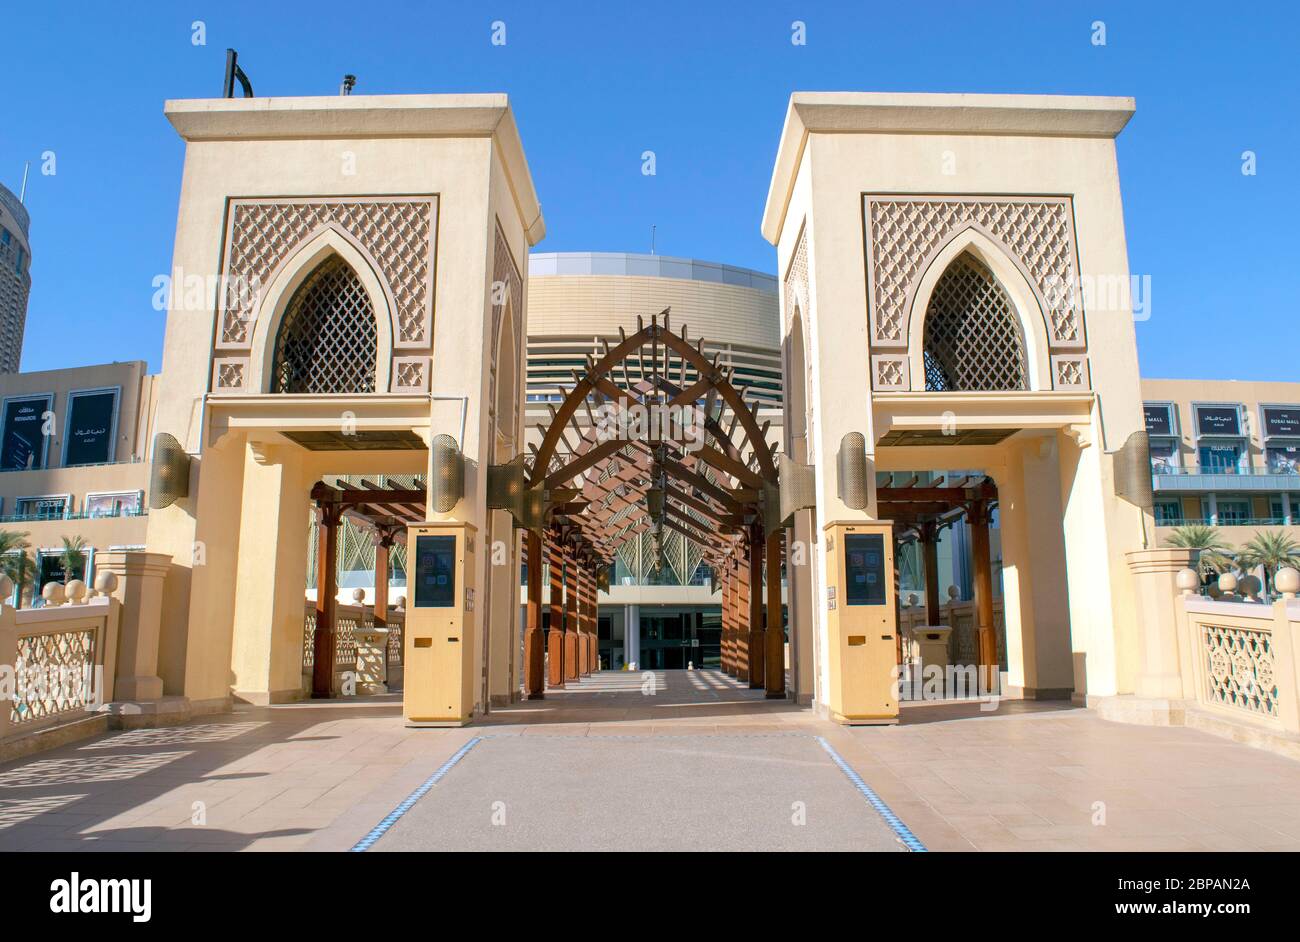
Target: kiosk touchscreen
863,622
440,625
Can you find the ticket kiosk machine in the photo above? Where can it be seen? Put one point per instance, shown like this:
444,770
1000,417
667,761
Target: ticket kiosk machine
440,624
862,621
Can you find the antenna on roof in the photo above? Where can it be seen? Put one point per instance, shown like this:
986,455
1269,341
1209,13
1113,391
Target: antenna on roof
233,71
652,240
349,83
22,194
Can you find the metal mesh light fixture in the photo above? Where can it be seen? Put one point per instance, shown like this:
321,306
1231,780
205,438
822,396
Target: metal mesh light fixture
447,483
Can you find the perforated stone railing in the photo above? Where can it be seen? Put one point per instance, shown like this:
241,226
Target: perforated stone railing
60,660
1239,659
349,620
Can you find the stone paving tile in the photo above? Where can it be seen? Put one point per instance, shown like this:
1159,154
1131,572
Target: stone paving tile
319,776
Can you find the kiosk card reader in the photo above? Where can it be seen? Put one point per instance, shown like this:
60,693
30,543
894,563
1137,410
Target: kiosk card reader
440,625
862,619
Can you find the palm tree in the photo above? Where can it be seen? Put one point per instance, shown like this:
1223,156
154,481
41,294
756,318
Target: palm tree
1273,550
14,561
1211,551
72,556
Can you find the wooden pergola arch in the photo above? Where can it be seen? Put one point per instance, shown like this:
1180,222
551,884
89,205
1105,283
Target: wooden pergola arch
636,467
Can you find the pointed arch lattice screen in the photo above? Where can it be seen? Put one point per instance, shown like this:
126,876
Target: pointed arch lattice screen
327,339
972,335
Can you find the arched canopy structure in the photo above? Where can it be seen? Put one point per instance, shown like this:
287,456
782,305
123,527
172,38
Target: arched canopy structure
680,450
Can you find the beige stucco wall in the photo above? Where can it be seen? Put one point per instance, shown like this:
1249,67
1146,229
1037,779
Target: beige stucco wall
465,150
834,149
587,305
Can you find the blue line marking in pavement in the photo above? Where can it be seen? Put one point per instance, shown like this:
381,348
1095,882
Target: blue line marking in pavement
895,823
380,829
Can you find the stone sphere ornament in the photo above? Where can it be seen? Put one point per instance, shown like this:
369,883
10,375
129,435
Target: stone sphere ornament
74,591
1187,581
53,593
359,596
1227,583
105,582
1287,581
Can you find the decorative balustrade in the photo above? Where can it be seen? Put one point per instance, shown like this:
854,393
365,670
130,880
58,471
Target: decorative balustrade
62,658
1239,659
349,620
963,643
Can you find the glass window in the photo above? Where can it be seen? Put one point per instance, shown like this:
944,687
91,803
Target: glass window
1283,459
41,508
1164,457
112,505
1231,511
1220,459
1169,513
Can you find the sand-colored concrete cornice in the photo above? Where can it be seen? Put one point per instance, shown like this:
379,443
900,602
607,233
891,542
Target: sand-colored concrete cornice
925,113
340,117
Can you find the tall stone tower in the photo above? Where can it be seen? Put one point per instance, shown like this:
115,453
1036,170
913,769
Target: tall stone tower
15,281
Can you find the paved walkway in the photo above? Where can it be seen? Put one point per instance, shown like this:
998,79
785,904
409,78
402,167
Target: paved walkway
702,763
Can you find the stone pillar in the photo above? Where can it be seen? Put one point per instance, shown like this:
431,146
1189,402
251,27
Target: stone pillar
632,635
1155,588
139,577
534,652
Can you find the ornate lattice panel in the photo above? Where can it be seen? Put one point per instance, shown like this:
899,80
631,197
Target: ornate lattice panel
56,674
327,339
1239,669
905,234
796,278
972,338
397,234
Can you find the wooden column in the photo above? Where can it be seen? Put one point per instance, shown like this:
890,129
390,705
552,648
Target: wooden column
774,631
930,547
729,621
756,650
586,638
534,655
570,613
555,631
595,620
323,637
744,594
383,540
982,559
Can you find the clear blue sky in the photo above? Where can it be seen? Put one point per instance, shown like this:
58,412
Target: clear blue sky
702,84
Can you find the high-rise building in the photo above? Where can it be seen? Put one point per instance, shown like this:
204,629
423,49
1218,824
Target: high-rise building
15,279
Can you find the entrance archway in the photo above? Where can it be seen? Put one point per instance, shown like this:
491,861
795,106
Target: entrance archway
654,440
